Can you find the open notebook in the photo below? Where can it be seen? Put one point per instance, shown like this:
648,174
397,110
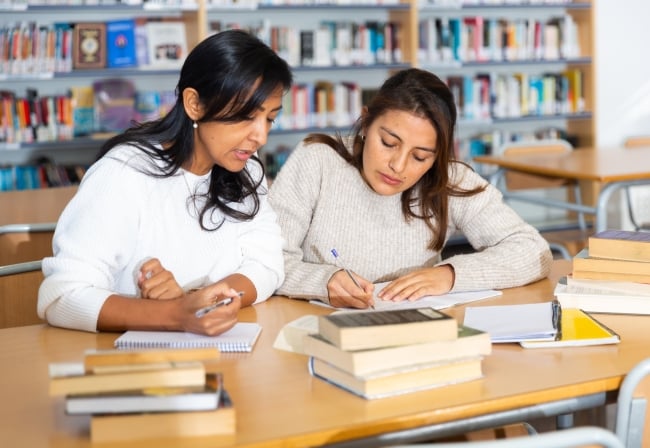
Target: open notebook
240,338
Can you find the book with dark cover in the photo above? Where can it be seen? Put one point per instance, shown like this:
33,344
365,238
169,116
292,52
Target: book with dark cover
374,329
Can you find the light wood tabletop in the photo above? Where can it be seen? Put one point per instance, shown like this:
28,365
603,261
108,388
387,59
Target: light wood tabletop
606,170
598,165
278,404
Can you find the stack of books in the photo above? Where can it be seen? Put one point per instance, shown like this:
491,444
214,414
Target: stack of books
376,354
612,275
151,394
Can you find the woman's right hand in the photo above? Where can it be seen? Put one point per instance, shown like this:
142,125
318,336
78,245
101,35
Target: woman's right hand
344,293
217,321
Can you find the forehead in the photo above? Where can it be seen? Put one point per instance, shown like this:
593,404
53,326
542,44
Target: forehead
408,127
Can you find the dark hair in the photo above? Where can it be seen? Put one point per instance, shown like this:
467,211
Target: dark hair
234,73
421,93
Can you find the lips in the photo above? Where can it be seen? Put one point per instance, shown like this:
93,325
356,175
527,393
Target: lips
243,155
389,180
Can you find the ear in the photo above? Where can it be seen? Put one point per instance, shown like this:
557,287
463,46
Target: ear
192,104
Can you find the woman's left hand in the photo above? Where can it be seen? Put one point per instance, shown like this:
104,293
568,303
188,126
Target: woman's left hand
156,282
423,282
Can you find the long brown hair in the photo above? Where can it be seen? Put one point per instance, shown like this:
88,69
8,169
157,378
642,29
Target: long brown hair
423,94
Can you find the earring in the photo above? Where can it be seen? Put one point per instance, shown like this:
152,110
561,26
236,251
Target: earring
195,125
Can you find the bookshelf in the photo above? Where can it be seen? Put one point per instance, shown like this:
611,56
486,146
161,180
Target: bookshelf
200,17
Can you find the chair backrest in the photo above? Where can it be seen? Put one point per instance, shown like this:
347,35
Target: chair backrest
585,436
631,410
637,141
517,181
19,285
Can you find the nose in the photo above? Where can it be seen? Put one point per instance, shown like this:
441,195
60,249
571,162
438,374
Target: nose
259,131
397,162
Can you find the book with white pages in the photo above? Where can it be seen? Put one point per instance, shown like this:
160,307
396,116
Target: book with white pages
436,302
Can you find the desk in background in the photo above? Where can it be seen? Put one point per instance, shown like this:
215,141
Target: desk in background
613,169
279,404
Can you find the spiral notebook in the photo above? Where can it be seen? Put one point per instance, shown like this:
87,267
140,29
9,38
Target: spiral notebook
240,338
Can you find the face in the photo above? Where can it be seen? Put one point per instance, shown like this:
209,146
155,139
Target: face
399,148
230,145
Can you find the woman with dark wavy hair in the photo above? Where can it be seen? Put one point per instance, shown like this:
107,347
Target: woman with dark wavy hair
174,212
388,198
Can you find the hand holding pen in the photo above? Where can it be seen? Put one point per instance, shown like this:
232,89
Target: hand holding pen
340,293
206,309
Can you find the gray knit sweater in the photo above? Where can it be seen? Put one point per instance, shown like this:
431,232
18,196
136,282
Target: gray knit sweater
322,202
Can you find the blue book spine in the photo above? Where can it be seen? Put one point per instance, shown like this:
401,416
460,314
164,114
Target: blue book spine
120,43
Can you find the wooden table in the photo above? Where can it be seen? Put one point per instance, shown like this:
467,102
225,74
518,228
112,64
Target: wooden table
613,168
278,404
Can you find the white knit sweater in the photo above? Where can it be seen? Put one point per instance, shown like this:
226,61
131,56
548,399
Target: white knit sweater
322,202
120,217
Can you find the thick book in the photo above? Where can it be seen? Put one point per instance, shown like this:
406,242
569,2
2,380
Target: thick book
583,262
173,375
240,338
375,329
620,244
577,329
120,43
399,381
167,425
596,302
149,399
97,361
580,285
470,343
516,323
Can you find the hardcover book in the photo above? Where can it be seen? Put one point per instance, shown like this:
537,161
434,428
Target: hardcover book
375,329
586,266
164,425
150,399
120,43
470,343
621,245
401,380
166,44
602,302
173,375
89,47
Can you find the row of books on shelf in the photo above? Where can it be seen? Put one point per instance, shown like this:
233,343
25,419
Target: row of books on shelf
459,3
153,3
612,275
30,48
490,95
108,105
42,174
332,43
481,39
145,394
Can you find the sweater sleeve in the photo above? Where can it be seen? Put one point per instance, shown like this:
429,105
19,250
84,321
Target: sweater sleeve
261,244
294,195
80,276
509,252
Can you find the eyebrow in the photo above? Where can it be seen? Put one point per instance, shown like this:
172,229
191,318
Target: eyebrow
422,148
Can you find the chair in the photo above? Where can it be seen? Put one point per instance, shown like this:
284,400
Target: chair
19,283
635,142
586,436
567,242
631,406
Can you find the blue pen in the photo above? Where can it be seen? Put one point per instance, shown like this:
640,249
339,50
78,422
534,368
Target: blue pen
337,261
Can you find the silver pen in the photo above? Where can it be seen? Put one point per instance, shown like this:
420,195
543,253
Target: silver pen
206,309
337,260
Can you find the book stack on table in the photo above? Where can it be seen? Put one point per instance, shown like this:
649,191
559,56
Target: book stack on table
376,354
146,394
611,276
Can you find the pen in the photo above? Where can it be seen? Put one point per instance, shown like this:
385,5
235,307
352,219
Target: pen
206,309
337,260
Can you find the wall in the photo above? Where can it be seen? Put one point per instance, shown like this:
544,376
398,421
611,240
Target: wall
623,81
